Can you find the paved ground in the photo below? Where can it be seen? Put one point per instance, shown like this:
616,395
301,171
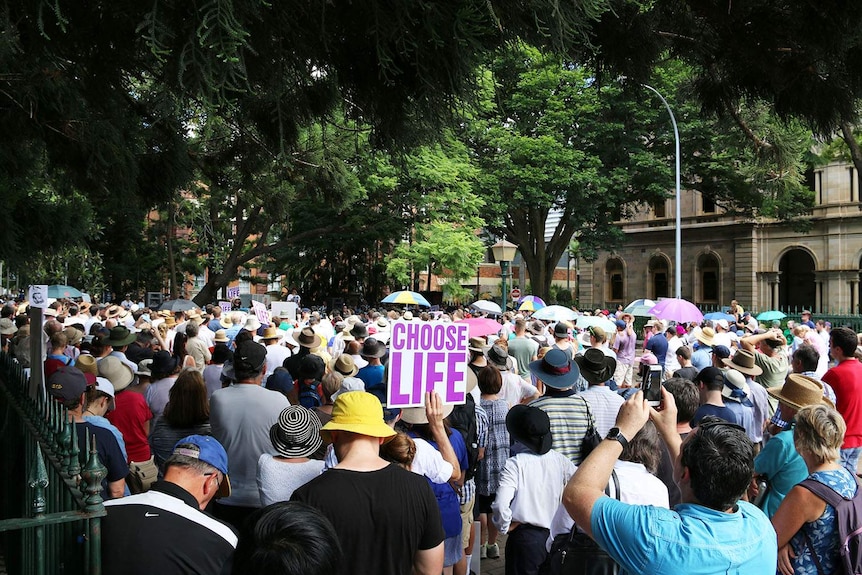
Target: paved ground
495,566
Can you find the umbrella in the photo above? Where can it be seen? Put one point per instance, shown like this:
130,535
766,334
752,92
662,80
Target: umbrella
58,291
530,303
640,307
178,305
717,315
586,321
487,306
770,315
555,313
407,298
678,310
481,326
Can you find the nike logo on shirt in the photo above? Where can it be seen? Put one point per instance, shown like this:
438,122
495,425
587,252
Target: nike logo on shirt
148,514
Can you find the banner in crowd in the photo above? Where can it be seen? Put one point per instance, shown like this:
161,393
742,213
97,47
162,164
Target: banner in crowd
38,296
260,312
427,356
225,306
232,292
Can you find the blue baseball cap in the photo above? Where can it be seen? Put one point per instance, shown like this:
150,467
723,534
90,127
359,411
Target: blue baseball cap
208,450
620,324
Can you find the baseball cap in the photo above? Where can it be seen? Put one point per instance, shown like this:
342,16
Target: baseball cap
208,450
721,351
249,356
67,383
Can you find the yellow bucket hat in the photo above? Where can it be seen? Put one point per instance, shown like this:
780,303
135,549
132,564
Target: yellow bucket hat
358,412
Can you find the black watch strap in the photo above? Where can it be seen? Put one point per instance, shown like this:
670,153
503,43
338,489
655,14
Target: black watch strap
615,435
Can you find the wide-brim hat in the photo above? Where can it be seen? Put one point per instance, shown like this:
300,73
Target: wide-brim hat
118,373
344,365
358,412
536,328
417,415
359,331
372,348
706,336
225,320
144,367
296,433
73,335
7,326
408,316
477,344
120,336
736,388
556,370
799,391
595,366
112,312
220,336
498,356
472,380
87,364
164,363
306,337
743,360
530,426
84,307
382,323
251,324
270,333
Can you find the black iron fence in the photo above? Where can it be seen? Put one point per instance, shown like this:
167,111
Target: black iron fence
50,504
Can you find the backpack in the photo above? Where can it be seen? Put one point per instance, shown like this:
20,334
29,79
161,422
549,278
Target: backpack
308,395
849,515
463,418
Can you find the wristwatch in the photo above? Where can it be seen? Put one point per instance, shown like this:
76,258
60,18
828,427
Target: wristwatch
615,435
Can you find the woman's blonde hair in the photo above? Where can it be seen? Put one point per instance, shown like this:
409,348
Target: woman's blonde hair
820,432
400,450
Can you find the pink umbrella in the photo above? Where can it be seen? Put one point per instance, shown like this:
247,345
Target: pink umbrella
678,310
481,326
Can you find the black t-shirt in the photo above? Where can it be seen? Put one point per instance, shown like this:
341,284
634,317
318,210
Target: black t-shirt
163,531
107,449
381,517
688,373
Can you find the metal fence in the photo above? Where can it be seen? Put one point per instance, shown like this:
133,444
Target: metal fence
50,505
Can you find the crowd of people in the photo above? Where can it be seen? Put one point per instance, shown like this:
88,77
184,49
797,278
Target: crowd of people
235,445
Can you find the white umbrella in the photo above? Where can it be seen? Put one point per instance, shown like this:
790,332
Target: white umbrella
486,305
555,313
585,321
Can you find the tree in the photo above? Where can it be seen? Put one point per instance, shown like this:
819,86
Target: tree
549,137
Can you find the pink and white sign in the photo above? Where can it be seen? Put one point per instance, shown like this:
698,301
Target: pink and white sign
232,292
260,312
225,306
427,356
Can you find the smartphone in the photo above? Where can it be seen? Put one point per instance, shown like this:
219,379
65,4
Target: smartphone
652,386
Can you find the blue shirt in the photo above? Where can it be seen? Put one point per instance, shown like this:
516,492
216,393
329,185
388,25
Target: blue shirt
782,466
702,357
658,345
690,538
372,375
732,412
447,498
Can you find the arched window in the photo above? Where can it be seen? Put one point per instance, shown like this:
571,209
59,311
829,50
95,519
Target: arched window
709,273
659,274
614,280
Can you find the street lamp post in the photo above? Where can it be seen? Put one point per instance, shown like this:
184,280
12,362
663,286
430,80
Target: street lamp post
504,252
677,278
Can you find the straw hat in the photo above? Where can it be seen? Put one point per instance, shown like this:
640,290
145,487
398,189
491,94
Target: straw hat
799,391
220,336
118,373
743,361
270,333
417,415
706,336
344,365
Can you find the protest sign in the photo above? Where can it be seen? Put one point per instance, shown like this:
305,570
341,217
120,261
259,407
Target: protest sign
232,292
225,306
427,356
38,296
260,312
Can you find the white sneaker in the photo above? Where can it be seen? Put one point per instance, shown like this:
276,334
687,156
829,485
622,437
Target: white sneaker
483,551
493,551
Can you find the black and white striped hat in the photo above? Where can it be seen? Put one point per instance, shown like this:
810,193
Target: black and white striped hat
296,433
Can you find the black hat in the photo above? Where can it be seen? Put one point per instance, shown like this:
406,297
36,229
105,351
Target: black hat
498,356
359,331
531,427
311,367
163,363
556,370
595,366
249,357
709,375
372,348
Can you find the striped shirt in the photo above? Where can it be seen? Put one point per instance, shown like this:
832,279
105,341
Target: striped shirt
570,420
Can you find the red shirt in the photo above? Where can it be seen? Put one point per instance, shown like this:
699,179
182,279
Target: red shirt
846,379
129,416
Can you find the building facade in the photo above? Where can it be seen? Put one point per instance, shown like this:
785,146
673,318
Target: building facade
762,263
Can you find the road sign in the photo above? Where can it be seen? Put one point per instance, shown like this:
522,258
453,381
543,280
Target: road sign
515,294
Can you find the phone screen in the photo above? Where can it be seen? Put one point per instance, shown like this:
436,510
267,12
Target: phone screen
652,386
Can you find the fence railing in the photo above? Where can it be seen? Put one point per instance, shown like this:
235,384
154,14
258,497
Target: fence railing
50,505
